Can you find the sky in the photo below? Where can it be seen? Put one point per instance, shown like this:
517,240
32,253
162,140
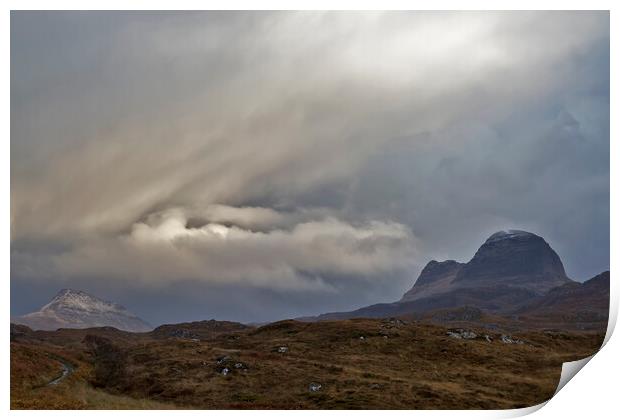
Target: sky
255,166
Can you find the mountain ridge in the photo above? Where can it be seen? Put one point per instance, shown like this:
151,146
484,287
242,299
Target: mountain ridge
511,270
71,308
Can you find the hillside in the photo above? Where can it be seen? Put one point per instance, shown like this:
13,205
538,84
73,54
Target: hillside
357,364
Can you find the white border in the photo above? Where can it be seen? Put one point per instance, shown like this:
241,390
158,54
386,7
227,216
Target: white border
592,395
310,5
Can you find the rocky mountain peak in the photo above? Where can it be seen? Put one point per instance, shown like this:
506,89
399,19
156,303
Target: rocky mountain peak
435,270
64,293
516,258
435,276
71,308
79,300
509,258
510,234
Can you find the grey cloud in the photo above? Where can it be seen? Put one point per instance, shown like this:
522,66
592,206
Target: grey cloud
305,256
424,130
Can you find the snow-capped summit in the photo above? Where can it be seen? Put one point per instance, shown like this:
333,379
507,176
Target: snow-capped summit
77,309
509,234
77,299
510,258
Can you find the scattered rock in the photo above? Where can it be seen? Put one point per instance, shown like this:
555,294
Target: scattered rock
282,349
385,337
314,387
509,340
391,323
395,321
222,359
362,338
489,339
462,334
182,333
225,371
240,365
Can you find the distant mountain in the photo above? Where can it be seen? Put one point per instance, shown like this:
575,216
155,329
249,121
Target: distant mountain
515,258
583,302
512,271
77,309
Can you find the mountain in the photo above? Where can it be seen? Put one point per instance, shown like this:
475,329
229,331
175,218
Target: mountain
77,309
583,302
436,276
513,272
510,267
516,258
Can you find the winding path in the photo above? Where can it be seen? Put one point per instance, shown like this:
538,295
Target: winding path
67,369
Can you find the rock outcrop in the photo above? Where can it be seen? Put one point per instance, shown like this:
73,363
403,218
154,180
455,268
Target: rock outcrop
514,258
434,278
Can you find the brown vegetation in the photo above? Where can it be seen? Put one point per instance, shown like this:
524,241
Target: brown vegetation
360,364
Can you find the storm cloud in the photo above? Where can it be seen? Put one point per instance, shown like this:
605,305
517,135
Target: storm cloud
261,165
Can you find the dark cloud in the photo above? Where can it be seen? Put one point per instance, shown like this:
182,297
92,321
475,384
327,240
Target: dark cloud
271,164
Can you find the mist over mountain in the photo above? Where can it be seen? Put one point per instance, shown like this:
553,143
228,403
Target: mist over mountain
513,271
180,162
223,173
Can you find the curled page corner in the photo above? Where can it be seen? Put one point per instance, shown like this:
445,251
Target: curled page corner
570,369
611,322
521,412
